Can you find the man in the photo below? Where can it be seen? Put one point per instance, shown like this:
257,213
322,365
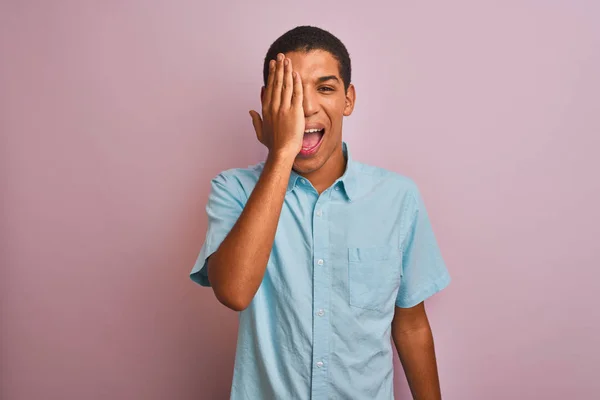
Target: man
323,257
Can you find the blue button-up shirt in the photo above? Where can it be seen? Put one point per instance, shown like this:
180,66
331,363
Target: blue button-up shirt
319,325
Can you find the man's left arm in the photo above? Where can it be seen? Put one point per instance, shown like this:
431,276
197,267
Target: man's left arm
414,342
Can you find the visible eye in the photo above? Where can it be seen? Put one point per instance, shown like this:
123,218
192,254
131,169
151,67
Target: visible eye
326,89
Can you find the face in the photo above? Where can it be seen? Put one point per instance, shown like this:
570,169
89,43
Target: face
325,104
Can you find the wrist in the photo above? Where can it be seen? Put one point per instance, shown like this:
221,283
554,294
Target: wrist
281,158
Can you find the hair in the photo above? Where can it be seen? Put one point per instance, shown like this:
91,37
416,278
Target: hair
307,38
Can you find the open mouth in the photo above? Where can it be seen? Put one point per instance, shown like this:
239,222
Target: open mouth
312,141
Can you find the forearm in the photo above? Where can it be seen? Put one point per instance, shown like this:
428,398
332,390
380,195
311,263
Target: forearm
417,355
237,268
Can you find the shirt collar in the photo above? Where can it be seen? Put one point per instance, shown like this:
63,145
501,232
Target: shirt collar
348,179
293,180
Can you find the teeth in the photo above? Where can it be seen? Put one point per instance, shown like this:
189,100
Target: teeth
312,130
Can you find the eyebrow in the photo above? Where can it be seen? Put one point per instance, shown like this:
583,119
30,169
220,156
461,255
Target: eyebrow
328,78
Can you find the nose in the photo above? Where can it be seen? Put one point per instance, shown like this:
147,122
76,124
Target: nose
310,102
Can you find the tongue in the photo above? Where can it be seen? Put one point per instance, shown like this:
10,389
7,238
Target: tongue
310,140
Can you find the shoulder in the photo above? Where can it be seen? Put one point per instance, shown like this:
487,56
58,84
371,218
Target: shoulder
239,181
242,175
393,182
399,192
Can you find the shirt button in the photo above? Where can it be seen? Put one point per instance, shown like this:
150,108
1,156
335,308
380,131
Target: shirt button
303,180
319,213
320,364
321,313
337,188
320,262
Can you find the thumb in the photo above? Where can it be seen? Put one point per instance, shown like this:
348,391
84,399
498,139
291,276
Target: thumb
257,123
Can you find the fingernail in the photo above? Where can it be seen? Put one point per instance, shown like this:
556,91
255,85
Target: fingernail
286,62
280,56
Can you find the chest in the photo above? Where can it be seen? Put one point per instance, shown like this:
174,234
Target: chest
352,249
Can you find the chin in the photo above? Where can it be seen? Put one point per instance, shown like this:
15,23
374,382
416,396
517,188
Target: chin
306,166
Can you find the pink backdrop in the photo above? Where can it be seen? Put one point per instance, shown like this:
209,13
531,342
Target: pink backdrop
115,115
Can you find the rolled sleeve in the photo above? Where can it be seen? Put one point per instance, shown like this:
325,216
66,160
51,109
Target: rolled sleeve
223,209
424,272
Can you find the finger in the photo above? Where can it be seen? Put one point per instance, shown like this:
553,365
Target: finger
288,84
276,96
298,95
257,123
269,88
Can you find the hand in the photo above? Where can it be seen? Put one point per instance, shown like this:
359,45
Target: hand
282,129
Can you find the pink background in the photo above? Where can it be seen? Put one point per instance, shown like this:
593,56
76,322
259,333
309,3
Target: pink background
115,115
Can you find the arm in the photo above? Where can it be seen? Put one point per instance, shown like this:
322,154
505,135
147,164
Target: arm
414,342
237,268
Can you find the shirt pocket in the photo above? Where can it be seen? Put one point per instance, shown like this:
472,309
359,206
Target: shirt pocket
374,275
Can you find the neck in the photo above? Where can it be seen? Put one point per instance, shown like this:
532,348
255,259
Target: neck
333,168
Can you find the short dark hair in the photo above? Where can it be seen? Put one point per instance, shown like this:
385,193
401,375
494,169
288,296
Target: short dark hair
307,38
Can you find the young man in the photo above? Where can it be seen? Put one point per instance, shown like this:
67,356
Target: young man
323,256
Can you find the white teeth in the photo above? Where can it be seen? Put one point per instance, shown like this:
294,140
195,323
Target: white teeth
312,130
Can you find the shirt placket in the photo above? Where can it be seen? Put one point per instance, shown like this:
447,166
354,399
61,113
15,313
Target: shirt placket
321,298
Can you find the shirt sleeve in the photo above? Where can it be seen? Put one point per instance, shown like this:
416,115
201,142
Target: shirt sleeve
223,209
424,272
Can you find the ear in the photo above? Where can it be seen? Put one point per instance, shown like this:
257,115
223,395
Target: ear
350,99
